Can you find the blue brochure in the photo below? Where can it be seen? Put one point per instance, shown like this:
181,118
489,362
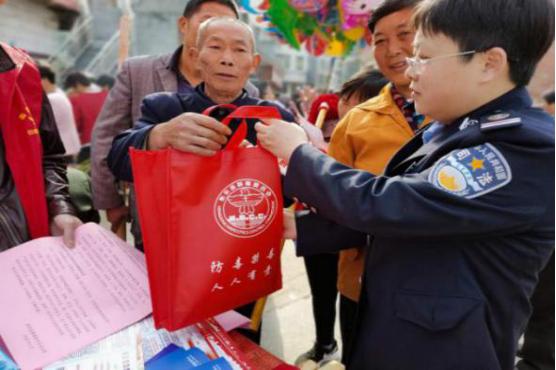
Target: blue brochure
6,362
167,350
175,357
218,364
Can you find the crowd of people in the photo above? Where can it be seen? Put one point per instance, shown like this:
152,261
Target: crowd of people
423,188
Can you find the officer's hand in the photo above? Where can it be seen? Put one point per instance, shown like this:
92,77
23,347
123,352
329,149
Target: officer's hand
290,231
65,225
279,137
190,132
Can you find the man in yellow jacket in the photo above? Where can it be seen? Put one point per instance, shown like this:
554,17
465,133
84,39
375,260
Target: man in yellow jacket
372,132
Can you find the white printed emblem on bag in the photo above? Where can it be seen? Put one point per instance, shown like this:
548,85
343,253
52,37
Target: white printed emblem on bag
245,208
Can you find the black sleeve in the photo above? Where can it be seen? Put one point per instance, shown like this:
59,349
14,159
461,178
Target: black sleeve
316,235
156,108
54,165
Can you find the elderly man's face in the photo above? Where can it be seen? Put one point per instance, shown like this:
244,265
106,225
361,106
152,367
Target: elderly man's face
226,57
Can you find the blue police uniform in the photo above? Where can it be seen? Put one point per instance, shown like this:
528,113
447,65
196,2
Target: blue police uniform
460,226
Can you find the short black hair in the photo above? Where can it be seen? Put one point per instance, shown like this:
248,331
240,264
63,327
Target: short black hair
105,80
388,7
523,28
47,72
548,97
366,84
193,6
75,78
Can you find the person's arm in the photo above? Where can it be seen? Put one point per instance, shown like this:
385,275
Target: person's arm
413,204
114,118
490,202
118,159
164,125
316,235
60,209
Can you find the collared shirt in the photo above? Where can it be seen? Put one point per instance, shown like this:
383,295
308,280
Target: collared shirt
431,131
407,107
184,86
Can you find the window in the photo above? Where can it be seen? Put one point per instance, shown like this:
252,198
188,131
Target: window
286,61
300,63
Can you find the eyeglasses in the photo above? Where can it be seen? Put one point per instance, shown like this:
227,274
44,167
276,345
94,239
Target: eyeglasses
417,64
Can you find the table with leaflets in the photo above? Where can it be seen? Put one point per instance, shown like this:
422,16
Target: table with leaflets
89,308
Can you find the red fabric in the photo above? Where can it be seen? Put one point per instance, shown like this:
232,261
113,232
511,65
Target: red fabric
86,108
216,336
332,100
255,355
207,224
20,116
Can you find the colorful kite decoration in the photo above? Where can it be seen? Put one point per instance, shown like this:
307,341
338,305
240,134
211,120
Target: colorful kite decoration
329,27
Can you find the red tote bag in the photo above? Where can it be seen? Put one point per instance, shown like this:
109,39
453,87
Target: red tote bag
211,226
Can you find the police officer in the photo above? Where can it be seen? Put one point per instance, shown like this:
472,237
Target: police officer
462,221
537,352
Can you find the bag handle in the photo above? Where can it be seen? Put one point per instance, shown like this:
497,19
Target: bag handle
243,113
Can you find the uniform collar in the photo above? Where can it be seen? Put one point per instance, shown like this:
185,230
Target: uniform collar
436,134
515,99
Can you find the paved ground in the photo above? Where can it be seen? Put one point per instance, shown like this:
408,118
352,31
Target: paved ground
288,326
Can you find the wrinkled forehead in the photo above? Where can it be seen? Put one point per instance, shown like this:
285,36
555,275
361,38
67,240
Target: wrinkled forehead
228,31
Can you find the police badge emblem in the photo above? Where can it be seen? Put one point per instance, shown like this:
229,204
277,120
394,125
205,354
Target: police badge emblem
471,172
245,208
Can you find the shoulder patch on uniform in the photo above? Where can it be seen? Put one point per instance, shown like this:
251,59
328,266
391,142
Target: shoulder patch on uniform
499,120
471,172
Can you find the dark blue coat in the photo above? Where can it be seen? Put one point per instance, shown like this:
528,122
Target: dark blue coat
161,107
460,228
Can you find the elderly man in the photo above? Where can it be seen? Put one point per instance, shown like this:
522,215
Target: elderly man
140,76
225,55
